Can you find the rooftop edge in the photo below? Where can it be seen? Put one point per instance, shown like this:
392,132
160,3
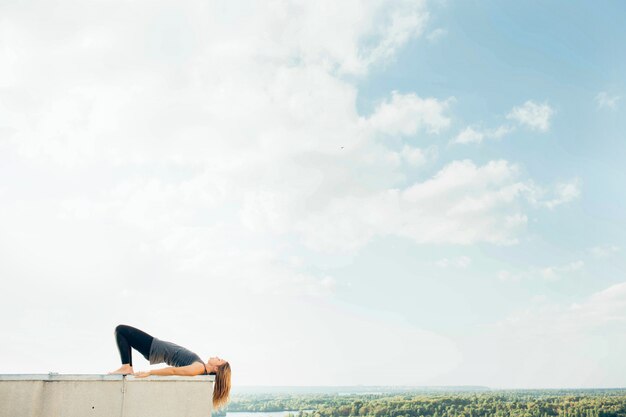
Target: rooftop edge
101,377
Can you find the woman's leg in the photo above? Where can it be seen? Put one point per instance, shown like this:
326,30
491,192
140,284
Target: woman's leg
128,337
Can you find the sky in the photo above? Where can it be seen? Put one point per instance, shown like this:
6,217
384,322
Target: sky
323,193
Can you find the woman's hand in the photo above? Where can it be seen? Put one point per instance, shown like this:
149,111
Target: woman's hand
141,374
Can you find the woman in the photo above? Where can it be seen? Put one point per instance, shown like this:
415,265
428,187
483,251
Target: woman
182,361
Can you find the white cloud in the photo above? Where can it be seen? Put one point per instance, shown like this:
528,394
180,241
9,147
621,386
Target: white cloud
417,156
406,114
499,132
528,342
414,156
474,135
469,135
534,115
436,34
462,203
604,251
402,21
539,299
561,193
606,101
556,272
505,275
565,192
169,96
461,262
550,273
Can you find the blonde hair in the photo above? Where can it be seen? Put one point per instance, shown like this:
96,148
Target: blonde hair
221,390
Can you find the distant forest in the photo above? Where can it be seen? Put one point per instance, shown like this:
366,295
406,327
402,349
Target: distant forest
533,403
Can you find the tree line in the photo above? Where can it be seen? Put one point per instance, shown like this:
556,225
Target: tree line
528,403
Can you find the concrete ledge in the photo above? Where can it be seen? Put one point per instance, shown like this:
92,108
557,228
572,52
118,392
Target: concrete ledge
99,377
102,395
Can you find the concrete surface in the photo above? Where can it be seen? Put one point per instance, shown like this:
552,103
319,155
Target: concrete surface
56,395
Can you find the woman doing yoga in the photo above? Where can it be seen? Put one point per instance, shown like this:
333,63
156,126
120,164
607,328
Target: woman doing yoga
182,361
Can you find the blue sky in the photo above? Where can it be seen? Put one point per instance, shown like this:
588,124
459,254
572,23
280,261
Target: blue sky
380,193
492,56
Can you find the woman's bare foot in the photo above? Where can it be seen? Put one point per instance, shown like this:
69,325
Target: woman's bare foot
126,369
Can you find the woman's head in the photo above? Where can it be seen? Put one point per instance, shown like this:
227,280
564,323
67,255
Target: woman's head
215,361
221,390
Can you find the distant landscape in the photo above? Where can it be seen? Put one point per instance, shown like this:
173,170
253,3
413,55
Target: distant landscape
474,401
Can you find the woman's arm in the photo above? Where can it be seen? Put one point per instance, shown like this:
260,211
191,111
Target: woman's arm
190,370
170,370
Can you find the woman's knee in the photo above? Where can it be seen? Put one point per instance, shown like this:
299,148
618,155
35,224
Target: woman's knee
121,328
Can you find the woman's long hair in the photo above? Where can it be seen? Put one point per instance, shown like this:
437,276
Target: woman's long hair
221,391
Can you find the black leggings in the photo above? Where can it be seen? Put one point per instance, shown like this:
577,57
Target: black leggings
127,337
